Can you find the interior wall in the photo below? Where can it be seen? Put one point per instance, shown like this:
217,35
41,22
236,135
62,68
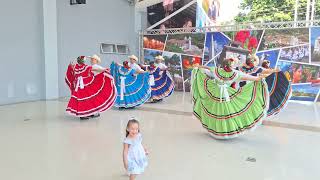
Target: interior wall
81,29
21,47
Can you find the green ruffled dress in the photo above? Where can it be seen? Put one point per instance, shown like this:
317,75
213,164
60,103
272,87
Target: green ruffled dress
224,111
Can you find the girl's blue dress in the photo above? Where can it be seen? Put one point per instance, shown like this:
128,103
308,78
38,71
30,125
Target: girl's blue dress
137,159
135,89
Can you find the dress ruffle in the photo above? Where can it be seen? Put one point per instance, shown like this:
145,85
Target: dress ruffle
97,95
163,84
228,118
137,88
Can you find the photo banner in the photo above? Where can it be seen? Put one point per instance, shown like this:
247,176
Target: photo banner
167,12
295,51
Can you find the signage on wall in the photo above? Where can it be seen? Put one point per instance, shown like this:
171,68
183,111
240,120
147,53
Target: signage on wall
74,2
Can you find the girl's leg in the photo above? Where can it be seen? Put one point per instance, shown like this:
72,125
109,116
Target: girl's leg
132,177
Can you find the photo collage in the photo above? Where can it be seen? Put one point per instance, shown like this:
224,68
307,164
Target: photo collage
180,52
296,52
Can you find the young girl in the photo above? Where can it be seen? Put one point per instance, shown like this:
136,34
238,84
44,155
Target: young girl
134,153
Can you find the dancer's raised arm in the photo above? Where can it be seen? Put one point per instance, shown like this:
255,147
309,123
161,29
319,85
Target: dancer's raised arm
252,78
202,67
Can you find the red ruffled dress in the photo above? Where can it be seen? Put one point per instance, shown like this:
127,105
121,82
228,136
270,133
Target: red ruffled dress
89,94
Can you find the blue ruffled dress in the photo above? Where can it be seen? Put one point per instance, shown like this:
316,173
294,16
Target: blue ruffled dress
163,83
136,89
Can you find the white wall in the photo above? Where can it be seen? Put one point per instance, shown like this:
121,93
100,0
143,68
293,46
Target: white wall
81,29
21,50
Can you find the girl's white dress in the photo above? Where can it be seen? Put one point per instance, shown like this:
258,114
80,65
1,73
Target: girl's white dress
137,159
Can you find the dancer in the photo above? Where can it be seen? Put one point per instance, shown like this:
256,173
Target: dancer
132,85
224,111
134,153
251,67
90,94
162,84
133,64
279,86
95,60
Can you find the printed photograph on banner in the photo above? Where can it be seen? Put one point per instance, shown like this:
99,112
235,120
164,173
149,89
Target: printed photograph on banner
280,38
295,54
150,54
242,57
286,68
215,41
173,61
230,34
271,56
318,100
248,39
190,44
300,73
185,18
232,52
315,45
187,65
216,12
156,42
304,92
211,63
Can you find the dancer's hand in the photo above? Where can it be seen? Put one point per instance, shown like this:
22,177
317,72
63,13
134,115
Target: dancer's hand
276,70
261,76
196,65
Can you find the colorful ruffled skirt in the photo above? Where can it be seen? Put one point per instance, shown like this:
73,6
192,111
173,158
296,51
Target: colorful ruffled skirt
280,91
163,85
225,119
97,95
133,89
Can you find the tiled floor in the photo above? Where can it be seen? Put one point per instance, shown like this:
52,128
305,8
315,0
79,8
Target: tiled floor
40,142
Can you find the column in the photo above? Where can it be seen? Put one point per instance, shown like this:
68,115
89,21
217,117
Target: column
50,48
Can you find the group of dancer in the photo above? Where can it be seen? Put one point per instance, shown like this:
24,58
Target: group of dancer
227,100
95,89
231,100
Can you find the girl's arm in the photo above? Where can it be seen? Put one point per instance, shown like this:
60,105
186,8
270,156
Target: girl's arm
145,150
125,155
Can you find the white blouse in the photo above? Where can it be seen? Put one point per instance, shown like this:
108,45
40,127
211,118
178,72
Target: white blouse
135,67
161,65
97,67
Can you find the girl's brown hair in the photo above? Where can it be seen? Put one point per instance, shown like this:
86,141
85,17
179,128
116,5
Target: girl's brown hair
131,121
